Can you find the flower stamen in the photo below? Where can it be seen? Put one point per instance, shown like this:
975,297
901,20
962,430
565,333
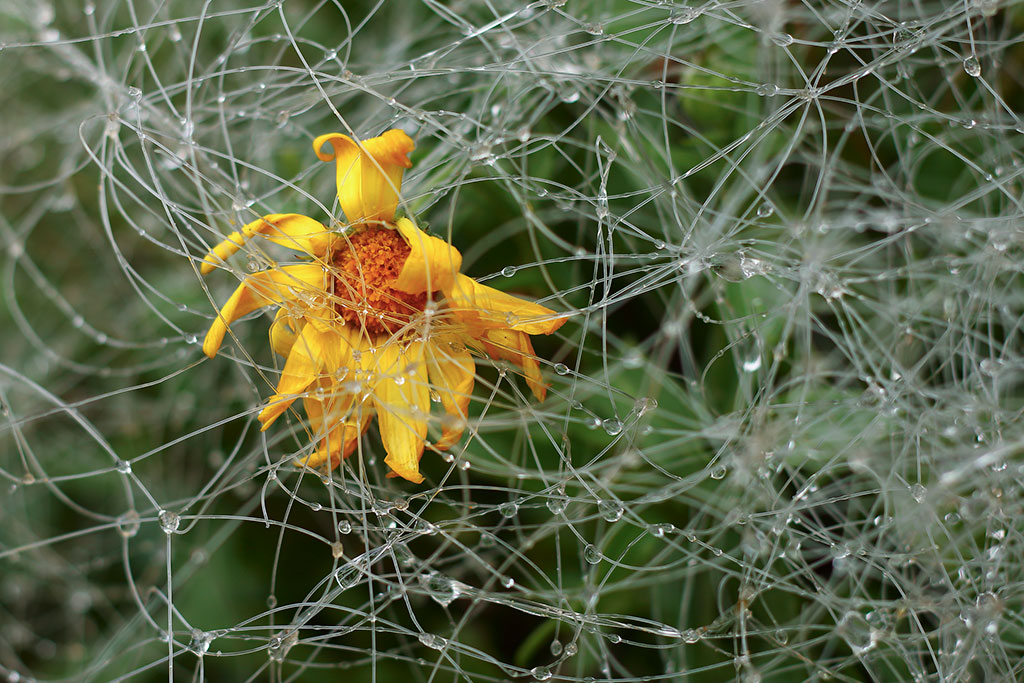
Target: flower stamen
365,267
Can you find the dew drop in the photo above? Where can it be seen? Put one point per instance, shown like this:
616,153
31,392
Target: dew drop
128,524
432,641
782,39
691,636
610,510
169,521
661,530
591,554
684,15
972,66
344,527
557,504
508,271
918,491
612,426
719,472
561,369
508,510
540,673
124,467
200,642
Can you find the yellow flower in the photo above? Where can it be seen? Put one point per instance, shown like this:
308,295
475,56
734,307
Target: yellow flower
379,318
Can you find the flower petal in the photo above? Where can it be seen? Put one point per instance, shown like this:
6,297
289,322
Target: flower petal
452,374
369,174
337,421
262,289
432,264
305,362
291,230
401,398
489,308
284,331
516,347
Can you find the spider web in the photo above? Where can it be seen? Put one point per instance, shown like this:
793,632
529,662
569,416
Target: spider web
782,439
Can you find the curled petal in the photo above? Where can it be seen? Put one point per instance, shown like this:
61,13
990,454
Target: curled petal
284,331
291,230
401,398
432,265
488,308
452,374
313,352
262,289
516,348
369,174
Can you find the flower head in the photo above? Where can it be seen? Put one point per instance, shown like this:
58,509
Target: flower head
379,317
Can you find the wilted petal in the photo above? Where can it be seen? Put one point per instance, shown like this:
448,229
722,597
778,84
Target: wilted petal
517,348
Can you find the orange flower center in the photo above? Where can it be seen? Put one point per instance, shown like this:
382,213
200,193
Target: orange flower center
366,263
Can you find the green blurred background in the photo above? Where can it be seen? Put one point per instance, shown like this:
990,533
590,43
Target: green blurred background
783,435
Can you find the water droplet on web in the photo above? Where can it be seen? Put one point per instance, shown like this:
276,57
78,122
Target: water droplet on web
591,554
918,491
440,588
135,93
661,530
508,510
508,271
508,582
610,510
767,90
857,633
561,369
123,466
200,642
691,636
972,66
765,210
128,524
782,39
644,405
555,648
432,641
540,673
557,504
347,576
612,426
719,472
169,521
344,527
684,15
